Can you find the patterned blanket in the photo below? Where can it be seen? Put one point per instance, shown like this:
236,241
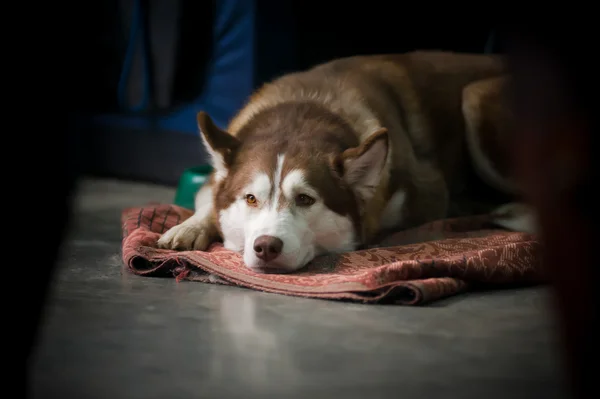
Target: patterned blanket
411,267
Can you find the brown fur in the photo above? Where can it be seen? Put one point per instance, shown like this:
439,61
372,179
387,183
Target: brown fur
324,115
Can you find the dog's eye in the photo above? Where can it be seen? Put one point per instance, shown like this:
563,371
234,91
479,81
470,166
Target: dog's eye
304,200
250,199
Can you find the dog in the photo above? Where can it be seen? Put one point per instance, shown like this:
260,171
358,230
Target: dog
325,160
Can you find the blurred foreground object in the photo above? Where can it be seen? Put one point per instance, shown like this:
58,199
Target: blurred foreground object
554,150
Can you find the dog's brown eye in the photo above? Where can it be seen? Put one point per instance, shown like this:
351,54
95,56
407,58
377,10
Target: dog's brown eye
304,200
250,199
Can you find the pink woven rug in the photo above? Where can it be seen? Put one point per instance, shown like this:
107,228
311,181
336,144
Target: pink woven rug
412,267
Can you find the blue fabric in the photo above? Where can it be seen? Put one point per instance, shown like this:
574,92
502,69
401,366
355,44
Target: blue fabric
135,38
230,77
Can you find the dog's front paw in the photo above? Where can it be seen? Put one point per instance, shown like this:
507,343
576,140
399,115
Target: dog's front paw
516,216
187,236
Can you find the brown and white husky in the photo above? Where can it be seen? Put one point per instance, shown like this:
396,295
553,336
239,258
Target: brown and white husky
324,160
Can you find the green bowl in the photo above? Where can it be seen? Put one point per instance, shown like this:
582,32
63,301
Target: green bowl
189,183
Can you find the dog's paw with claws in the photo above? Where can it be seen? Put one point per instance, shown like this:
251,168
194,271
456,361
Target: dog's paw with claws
189,235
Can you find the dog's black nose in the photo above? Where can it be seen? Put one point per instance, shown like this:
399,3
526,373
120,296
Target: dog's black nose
267,248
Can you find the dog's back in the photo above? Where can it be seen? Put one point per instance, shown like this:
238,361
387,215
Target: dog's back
418,94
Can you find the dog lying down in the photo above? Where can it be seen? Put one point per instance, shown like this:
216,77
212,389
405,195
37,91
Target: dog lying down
324,160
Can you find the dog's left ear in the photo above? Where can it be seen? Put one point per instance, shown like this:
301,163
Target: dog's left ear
220,145
362,165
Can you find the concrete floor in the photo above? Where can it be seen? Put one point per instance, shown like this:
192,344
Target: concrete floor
109,334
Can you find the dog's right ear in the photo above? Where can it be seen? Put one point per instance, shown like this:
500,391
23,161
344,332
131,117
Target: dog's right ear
220,145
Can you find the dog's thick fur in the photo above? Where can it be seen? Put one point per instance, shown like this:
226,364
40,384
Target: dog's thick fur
348,149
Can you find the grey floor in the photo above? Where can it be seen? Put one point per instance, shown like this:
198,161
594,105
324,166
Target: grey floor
109,334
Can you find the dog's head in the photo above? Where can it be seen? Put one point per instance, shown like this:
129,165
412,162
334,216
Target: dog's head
291,185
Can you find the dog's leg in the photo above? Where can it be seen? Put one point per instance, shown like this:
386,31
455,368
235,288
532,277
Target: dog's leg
488,124
198,231
516,216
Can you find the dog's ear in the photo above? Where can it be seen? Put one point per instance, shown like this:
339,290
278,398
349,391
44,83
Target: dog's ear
220,145
362,166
